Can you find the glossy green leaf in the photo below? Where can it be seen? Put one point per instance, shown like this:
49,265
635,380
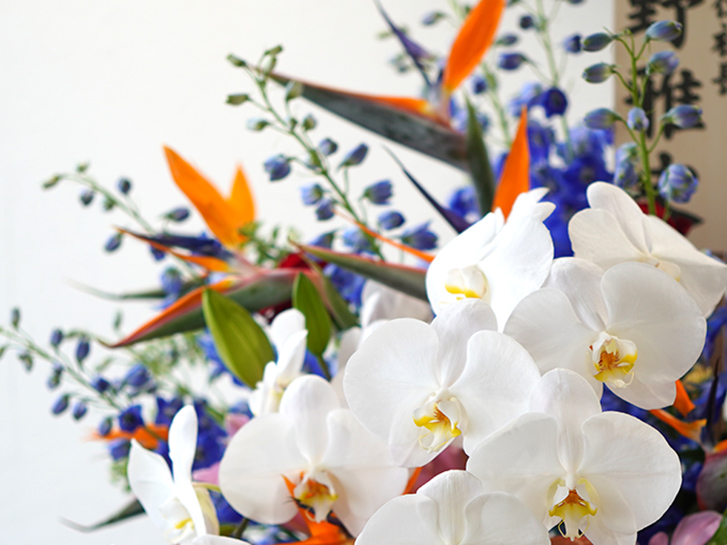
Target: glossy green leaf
131,510
720,536
317,320
337,305
409,280
405,127
240,341
480,168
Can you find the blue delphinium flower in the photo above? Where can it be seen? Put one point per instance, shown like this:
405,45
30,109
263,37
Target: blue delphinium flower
356,239
277,167
637,120
172,283
56,338
625,175
100,384
324,240
79,410
87,196
61,404
420,237
119,449
379,192
130,419
166,409
311,194
348,284
528,97
210,438
355,156
601,118
82,349
684,116
526,22
677,183
664,31
54,379
137,377
511,61
327,146
113,243
463,202
479,84
178,214
105,426
390,220
598,73
541,139
124,185
596,42
662,62
572,44
324,210
553,101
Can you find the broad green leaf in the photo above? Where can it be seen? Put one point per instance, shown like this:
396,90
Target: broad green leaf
240,341
131,510
337,305
720,536
259,291
479,162
317,321
409,280
403,120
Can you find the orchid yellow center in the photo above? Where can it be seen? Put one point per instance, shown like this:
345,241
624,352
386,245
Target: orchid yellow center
317,496
613,360
441,421
573,511
467,282
179,525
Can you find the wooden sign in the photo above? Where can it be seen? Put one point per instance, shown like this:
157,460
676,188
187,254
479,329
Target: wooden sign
700,80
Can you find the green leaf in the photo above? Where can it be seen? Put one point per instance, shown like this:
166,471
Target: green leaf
131,510
240,341
337,305
317,320
417,132
720,536
479,162
409,280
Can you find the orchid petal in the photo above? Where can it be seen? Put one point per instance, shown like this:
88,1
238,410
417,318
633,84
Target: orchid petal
546,325
381,302
528,205
150,480
704,277
580,281
454,326
307,402
218,540
286,324
608,197
568,398
452,491
251,471
520,459
598,236
495,386
501,518
635,459
407,520
291,357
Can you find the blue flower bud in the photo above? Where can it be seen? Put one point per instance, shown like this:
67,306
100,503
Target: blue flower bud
324,210
637,120
420,237
553,101
327,146
277,167
311,194
178,214
87,196
598,73
677,183
390,220
596,42
602,118
56,338
663,62
432,18
507,40
104,428
664,31
131,419
572,44
526,22
113,243
137,376
119,449
82,349
684,116
511,61
156,253
324,240
355,156
124,186
15,317
379,193
100,384
479,84
256,124
79,410
625,175
61,404
54,379
356,240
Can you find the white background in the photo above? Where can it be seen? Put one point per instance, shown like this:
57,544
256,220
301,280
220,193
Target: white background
109,82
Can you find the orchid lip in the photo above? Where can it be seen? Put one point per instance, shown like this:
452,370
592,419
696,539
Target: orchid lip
613,360
441,419
573,510
317,495
467,282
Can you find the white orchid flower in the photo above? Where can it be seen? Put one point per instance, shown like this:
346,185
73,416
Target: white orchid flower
605,475
496,261
615,229
420,386
289,336
452,509
631,328
329,459
182,510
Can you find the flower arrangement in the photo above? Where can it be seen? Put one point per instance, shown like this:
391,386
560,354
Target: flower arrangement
553,373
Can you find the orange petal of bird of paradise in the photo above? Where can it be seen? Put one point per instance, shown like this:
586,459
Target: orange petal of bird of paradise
682,403
148,436
515,177
223,216
474,38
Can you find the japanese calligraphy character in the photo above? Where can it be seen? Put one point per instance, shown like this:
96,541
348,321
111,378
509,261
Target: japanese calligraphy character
721,80
720,41
721,7
644,14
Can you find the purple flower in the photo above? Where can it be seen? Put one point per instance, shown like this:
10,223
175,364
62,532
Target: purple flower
277,167
390,220
553,101
572,44
355,156
324,210
677,183
61,404
131,419
420,237
178,214
82,349
379,193
511,61
113,243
